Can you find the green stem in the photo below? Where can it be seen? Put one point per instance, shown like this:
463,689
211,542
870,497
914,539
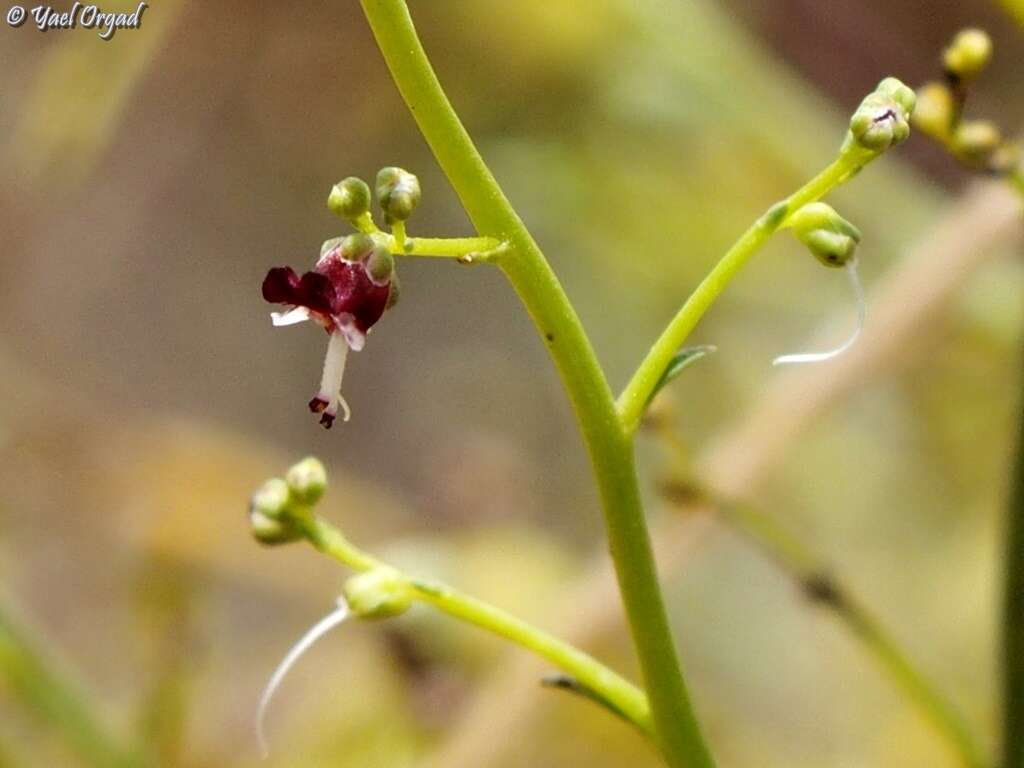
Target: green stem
1013,615
609,446
634,398
451,247
625,697
54,701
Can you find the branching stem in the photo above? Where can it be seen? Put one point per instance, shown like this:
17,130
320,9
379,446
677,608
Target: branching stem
627,699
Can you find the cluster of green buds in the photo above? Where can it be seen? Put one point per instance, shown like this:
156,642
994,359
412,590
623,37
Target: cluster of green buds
282,511
831,238
281,503
397,191
276,515
883,117
978,144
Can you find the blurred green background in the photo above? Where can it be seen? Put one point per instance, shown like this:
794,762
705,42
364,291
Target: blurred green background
151,181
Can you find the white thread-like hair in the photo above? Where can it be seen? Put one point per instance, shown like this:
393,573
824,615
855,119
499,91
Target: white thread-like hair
862,311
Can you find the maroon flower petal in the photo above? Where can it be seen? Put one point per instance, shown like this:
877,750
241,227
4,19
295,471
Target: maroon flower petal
315,292
280,284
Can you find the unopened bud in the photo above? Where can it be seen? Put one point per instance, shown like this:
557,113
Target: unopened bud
934,112
268,530
380,265
378,593
881,119
398,192
968,54
831,238
272,499
902,94
307,480
356,247
976,140
349,198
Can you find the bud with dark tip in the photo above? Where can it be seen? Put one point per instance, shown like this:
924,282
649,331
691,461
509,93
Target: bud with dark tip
968,54
307,481
882,118
378,593
398,193
831,238
902,94
349,198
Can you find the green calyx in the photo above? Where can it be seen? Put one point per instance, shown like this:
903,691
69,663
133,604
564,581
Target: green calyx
380,264
831,238
379,593
398,193
356,247
349,198
883,117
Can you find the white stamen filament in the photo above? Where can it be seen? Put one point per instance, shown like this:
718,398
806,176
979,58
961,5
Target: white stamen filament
817,357
334,370
318,630
291,317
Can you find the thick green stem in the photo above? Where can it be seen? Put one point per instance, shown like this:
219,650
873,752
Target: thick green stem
634,398
1013,616
609,446
624,697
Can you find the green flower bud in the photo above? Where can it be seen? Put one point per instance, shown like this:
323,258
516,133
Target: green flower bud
356,247
831,238
898,92
398,192
968,54
349,198
307,480
272,499
934,112
377,594
267,530
380,265
976,140
881,119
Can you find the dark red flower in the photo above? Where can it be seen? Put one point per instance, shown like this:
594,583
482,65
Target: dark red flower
343,297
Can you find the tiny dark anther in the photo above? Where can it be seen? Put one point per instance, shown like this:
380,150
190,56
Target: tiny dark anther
318,404
327,420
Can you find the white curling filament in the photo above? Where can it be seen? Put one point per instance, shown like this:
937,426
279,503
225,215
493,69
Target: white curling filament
318,630
862,311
